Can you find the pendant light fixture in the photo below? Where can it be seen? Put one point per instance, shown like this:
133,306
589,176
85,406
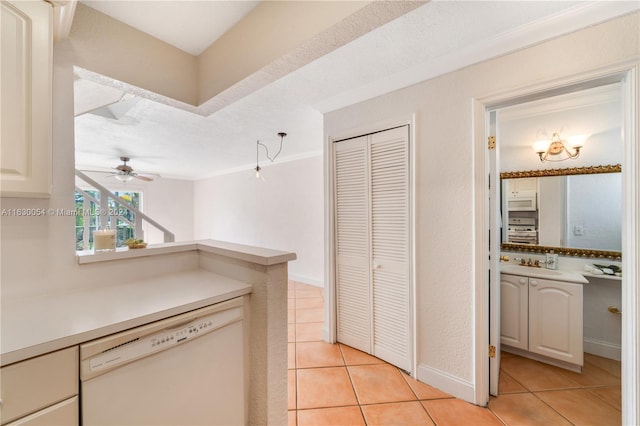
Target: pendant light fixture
272,159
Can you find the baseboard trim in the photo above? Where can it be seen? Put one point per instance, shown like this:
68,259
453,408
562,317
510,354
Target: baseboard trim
453,385
603,349
306,280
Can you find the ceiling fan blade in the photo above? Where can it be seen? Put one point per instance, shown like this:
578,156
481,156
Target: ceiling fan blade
143,178
97,171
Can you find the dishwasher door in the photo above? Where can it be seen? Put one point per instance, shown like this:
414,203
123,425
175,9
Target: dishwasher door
186,370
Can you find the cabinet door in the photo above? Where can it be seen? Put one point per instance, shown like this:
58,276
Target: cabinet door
25,135
514,311
526,185
555,320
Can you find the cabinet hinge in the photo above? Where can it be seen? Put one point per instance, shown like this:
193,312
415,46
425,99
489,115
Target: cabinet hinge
492,351
492,142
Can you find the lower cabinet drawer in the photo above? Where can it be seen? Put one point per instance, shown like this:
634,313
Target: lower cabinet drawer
65,413
37,383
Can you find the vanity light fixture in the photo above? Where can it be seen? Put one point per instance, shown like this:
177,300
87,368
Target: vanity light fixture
272,159
556,149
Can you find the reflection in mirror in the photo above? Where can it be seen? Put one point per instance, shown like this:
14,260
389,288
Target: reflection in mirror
575,211
578,209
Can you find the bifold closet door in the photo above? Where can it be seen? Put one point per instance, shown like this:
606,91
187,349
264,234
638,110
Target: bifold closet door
372,244
389,153
353,287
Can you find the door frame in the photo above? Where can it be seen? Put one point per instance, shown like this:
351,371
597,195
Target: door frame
627,74
329,330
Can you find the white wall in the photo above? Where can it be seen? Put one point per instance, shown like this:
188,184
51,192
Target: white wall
284,211
447,267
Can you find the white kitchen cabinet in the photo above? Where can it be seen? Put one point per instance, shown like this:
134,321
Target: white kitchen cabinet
63,413
26,109
543,317
41,390
522,185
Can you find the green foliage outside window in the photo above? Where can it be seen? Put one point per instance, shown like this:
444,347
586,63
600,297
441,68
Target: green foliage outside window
123,229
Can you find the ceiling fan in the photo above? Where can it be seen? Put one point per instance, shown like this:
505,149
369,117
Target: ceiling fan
125,173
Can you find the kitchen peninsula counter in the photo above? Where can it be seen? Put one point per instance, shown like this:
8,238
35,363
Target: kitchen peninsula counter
114,291
47,322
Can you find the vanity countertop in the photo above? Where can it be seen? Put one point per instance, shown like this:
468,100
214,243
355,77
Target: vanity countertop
46,322
543,273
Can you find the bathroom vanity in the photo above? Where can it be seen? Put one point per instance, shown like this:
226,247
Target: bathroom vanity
541,315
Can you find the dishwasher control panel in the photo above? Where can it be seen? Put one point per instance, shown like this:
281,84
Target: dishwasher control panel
173,335
179,336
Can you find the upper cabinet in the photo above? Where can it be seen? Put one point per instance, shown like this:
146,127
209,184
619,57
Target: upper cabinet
26,110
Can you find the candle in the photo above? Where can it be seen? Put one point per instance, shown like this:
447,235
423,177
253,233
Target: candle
104,240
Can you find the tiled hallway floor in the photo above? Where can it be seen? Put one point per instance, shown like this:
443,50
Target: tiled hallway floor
335,385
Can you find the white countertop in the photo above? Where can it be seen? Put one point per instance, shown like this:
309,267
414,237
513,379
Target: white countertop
258,255
50,321
543,273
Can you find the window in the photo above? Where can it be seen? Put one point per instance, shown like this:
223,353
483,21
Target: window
88,217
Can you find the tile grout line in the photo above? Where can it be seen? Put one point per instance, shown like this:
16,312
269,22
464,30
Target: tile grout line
364,418
416,395
545,403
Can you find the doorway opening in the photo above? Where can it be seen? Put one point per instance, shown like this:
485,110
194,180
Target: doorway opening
529,109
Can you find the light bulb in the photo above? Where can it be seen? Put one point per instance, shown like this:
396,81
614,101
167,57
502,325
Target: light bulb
541,146
577,141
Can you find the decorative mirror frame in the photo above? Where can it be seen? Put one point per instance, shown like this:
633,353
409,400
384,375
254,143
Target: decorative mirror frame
565,251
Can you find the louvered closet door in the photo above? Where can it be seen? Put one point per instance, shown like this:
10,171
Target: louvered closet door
389,154
372,244
353,296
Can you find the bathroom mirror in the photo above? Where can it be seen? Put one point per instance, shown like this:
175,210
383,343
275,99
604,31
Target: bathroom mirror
573,211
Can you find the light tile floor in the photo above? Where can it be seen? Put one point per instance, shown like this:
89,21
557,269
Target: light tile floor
335,385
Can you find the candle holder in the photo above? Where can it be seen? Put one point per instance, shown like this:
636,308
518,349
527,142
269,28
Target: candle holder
104,240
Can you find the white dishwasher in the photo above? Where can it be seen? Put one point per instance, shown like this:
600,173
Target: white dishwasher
184,370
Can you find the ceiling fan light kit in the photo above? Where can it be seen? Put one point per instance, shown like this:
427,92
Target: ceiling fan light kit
124,172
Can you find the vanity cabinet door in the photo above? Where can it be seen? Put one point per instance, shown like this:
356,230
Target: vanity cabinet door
514,311
555,320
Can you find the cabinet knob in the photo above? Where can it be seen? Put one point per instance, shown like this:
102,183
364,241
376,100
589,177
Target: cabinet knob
522,281
533,282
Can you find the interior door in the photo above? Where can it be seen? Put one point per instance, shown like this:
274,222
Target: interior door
495,222
353,292
372,217
391,313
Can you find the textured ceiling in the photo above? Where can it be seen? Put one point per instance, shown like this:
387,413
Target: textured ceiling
435,38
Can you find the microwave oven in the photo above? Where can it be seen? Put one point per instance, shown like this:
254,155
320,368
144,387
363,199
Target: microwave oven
522,202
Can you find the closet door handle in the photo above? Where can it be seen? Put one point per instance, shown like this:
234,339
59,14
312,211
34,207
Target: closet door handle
377,266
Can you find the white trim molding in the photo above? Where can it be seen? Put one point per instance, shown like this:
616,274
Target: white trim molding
603,349
446,382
